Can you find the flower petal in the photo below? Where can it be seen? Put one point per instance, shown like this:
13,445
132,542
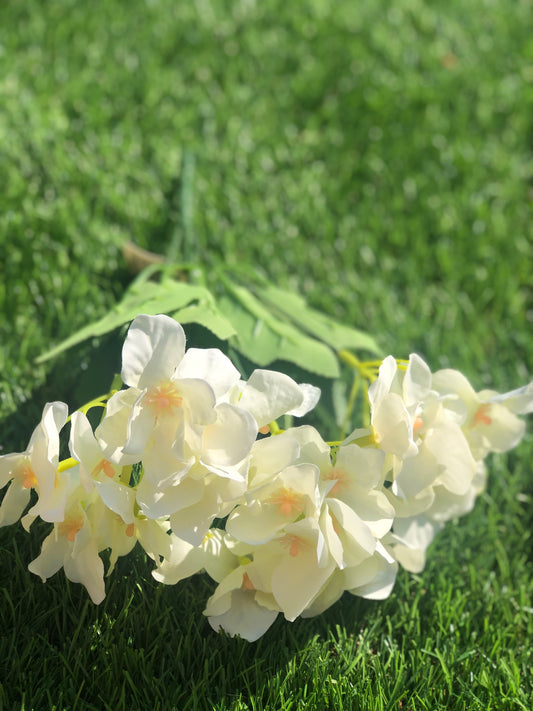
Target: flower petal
152,350
199,399
14,502
211,365
519,401
417,381
156,503
228,440
245,617
381,569
119,498
268,395
112,432
311,396
381,387
86,567
393,427
50,559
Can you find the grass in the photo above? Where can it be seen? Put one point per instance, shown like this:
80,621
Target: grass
376,159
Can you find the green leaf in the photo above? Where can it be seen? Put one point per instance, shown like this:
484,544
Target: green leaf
209,316
263,337
317,324
143,297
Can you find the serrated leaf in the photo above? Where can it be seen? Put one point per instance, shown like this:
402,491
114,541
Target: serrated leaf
209,316
263,337
153,298
317,324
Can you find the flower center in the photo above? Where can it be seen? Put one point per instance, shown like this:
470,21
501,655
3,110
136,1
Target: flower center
293,543
481,417
163,398
25,474
417,424
340,477
104,466
288,501
247,583
70,527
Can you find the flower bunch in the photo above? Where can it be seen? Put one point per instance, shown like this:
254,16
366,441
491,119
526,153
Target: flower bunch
188,444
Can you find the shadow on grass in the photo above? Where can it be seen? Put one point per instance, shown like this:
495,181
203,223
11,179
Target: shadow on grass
146,645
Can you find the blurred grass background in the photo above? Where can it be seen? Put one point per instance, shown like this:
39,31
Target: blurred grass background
374,157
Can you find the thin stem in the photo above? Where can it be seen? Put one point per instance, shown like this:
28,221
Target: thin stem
351,402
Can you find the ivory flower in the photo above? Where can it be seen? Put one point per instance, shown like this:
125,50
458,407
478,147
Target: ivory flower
489,420
72,546
36,468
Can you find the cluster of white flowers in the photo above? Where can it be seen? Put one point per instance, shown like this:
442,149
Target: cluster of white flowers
177,451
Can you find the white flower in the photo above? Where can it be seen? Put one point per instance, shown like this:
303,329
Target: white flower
119,527
444,463
295,566
240,606
184,559
410,540
291,494
374,578
268,394
391,420
356,480
159,399
489,420
175,412
72,545
85,448
36,468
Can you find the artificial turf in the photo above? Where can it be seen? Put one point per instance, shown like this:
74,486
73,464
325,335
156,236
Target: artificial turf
375,158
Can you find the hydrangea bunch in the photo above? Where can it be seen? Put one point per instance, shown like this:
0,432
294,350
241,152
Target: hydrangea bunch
188,444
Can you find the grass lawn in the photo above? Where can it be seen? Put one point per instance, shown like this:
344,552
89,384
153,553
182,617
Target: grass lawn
374,157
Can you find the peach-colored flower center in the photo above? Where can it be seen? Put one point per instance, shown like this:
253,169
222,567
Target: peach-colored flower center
288,501
130,530
163,398
70,527
417,424
481,417
341,480
293,543
247,583
25,474
104,466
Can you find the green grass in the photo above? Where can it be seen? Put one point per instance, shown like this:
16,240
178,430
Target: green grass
376,158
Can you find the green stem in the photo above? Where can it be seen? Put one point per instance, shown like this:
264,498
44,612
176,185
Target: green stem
351,402
125,474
